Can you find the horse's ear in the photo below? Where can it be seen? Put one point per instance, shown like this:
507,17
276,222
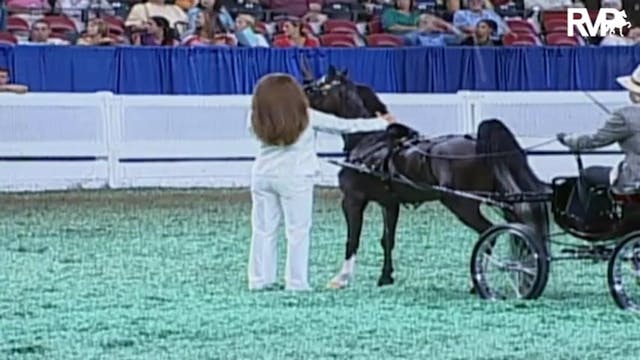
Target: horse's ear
332,71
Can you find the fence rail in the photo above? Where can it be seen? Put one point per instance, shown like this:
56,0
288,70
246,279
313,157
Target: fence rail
62,141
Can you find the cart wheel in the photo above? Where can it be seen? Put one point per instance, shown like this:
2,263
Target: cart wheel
507,262
623,273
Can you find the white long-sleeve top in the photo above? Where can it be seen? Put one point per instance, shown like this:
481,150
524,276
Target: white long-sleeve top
300,158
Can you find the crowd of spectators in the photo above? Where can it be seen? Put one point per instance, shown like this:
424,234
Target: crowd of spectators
303,23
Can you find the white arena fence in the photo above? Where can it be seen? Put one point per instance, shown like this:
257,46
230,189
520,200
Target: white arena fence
57,141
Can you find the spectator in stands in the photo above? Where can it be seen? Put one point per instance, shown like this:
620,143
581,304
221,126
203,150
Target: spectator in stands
27,6
454,5
246,34
552,4
632,38
282,176
141,14
297,8
158,33
402,19
613,4
433,31
484,34
40,35
467,19
5,85
73,9
295,35
204,33
221,20
97,34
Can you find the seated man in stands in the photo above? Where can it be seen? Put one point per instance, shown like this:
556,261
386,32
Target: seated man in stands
5,86
483,36
467,19
433,31
40,35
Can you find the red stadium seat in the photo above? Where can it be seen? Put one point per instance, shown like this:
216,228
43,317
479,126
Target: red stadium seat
384,40
522,39
561,39
555,25
60,24
17,24
521,26
7,38
116,24
562,14
338,40
340,26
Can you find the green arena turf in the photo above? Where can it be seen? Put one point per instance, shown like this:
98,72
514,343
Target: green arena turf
162,275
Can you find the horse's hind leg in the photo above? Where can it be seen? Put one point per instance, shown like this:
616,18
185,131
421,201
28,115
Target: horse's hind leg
390,215
353,209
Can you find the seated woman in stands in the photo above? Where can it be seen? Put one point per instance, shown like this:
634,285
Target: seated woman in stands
158,33
433,31
205,35
97,34
295,35
221,20
468,19
141,14
402,19
484,34
246,34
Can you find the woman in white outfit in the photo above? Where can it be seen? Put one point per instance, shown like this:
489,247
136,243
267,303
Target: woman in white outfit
282,178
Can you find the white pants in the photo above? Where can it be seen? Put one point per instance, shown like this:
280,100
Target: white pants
275,199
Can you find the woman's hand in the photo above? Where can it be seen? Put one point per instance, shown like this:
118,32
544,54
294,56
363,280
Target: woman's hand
388,117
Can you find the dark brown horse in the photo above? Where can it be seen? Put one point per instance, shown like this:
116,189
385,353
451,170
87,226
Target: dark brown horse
459,162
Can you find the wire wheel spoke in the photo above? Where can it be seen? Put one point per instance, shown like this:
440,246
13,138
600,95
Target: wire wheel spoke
506,265
624,274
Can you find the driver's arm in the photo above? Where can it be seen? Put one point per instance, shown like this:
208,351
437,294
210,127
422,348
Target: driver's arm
614,130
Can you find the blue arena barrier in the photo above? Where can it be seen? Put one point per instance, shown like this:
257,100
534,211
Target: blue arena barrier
182,70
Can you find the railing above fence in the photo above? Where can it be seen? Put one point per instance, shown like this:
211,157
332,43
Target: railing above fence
60,141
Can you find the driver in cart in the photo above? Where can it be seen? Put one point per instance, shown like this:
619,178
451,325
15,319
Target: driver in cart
622,127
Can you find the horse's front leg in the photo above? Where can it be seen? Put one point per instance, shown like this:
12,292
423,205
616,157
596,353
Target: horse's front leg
390,214
353,209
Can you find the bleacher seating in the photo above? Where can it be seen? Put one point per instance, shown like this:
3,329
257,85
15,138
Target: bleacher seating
363,23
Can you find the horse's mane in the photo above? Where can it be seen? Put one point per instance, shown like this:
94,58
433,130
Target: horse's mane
494,137
371,100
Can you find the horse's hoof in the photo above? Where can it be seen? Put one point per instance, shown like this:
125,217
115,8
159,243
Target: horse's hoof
337,284
385,281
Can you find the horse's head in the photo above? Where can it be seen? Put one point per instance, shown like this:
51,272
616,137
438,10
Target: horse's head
334,93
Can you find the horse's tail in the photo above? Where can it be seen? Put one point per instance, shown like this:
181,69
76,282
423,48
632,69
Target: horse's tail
512,174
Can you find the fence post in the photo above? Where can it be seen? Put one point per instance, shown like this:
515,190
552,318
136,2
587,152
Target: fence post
112,136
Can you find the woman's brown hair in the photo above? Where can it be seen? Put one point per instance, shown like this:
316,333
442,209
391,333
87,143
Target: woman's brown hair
103,28
279,110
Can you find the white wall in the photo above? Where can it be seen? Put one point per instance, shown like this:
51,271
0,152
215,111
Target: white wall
112,128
